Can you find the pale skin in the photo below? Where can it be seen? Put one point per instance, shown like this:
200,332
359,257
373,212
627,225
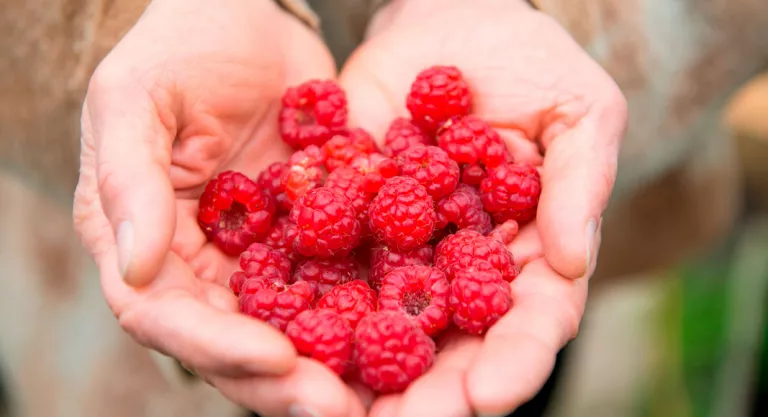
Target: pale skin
193,90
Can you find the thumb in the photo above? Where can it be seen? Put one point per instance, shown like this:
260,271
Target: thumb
577,181
132,149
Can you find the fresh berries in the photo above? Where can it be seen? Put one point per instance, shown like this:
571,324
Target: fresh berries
275,304
234,212
463,209
467,248
341,150
438,94
384,260
353,301
402,214
402,135
420,292
471,140
479,298
432,168
511,192
324,274
351,183
323,335
281,237
312,113
327,224
270,181
376,170
305,172
390,351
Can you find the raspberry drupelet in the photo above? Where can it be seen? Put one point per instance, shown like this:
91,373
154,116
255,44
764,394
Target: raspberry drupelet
479,298
471,140
432,168
402,214
376,170
270,181
353,301
420,292
402,135
351,183
324,336
467,247
324,274
281,237
342,149
511,192
464,210
312,113
438,94
275,304
384,260
305,172
327,224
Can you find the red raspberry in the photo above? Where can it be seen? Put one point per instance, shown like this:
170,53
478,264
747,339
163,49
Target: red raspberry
511,192
432,168
470,140
324,336
464,209
384,260
402,214
305,172
327,224
421,292
270,181
233,212
472,174
325,274
275,304
351,183
403,135
281,237
341,150
467,247
391,352
241,282
438,94
479,298
353,300
376,169
505,232
263,261
312,112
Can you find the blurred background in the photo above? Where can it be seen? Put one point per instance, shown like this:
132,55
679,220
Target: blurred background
676,323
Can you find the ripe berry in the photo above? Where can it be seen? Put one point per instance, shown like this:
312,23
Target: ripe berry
233,212
275,304
324,336
432,168
467,248
342,149
263,261
472,174
305,172
479,298
438,94
470,140
463,209
402,214
327,224
384,260
421,292
403,135
270,182
312,112
351,183
376,170
391,352
353,301
325,274
281,237
511,192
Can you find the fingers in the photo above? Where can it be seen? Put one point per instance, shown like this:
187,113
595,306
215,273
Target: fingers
519,351
132,166
577,180
309,390
372,104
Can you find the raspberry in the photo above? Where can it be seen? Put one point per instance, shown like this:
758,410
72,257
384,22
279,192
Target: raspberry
324,336
376,170
312,112
384,260
233,212
341,150
275,304
438,94
479,298
467,247
327,224
464,209
353,301
511,192
325,274
281,237
243,283
270,181
432,168
505,232
391,352
261,260
305,172
351,183
421,292
403,135
402,215
472,174
470,140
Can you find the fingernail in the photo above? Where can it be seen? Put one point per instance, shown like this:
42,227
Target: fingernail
297,410
591,237
124,240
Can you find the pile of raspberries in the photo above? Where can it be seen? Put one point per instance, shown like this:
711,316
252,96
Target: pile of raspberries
363,254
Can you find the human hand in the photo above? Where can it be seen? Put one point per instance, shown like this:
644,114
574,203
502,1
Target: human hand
194,89
555,108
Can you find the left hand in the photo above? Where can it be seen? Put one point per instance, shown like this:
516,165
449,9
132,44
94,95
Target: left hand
556,108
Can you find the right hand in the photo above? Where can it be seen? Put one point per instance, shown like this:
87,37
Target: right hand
194,89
